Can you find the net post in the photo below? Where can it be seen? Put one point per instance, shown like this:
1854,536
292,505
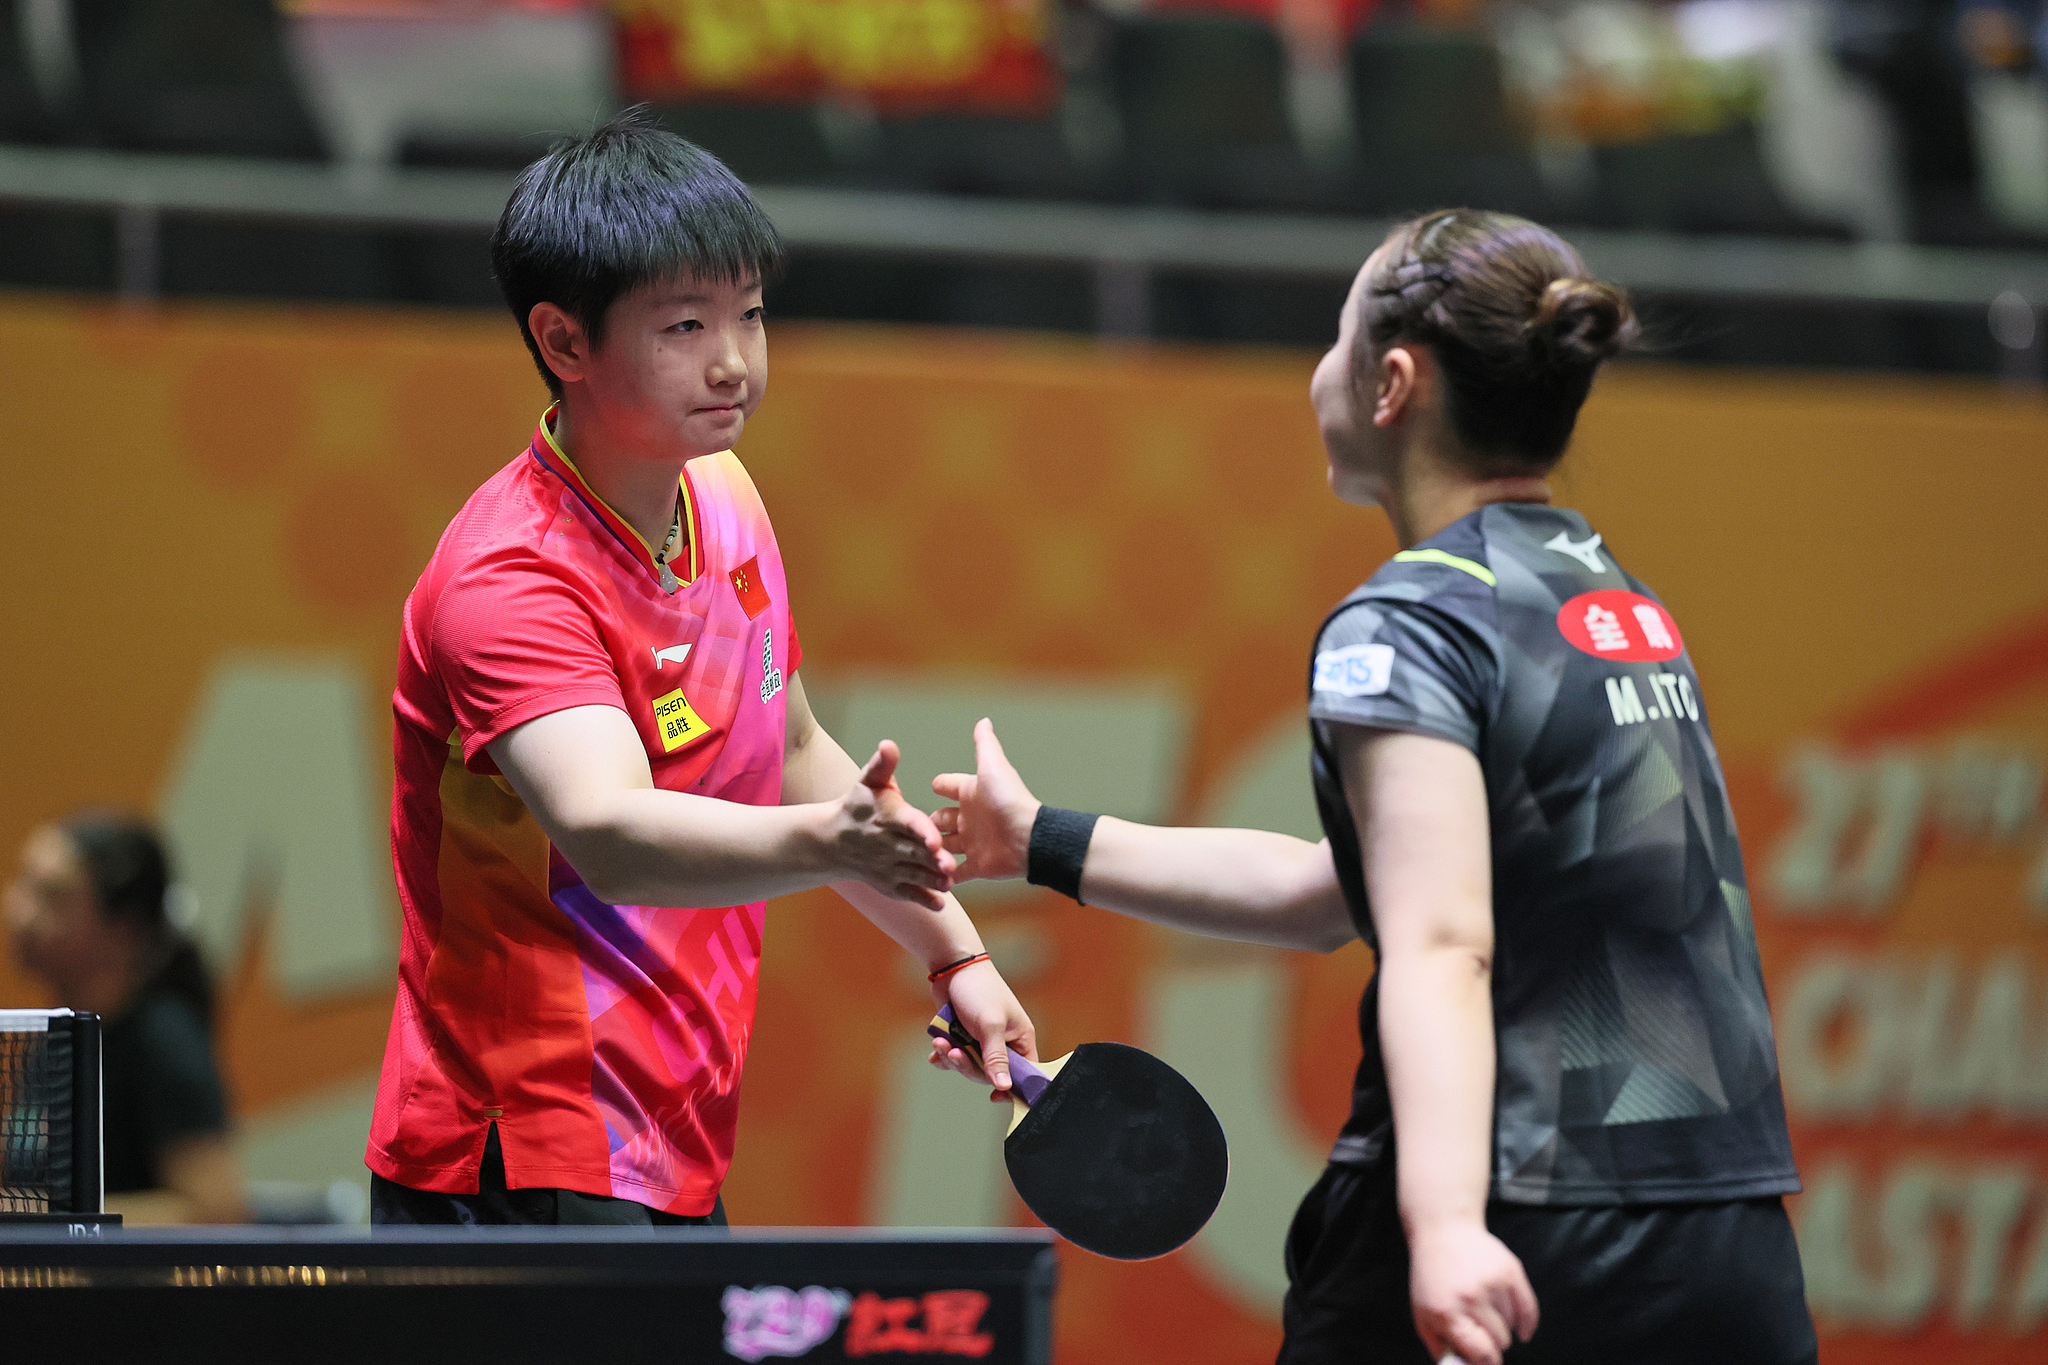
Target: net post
88,1178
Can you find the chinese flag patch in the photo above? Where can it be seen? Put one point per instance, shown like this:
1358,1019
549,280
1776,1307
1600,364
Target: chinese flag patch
746,581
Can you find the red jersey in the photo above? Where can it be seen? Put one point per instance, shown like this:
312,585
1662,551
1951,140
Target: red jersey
605,1041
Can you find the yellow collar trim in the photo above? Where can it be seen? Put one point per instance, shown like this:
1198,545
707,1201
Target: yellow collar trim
1434,556
547,431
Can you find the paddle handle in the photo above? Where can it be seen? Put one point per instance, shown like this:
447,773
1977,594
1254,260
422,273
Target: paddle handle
1027,1082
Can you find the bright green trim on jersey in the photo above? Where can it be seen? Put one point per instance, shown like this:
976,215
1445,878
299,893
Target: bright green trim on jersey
1478,571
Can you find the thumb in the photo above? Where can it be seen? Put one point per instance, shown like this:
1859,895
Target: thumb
988,750
881,769
995,1059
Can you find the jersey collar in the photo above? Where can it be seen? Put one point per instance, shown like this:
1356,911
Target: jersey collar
556,461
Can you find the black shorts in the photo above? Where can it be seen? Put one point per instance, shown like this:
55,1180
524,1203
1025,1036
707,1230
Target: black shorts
494,1205
1679,1284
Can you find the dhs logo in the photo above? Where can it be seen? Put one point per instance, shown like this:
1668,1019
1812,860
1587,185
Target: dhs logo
1355,670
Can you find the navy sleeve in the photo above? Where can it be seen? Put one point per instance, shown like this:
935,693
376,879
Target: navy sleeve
1396,665
182,1094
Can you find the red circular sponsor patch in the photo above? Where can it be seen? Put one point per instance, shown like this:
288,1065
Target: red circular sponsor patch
1616,624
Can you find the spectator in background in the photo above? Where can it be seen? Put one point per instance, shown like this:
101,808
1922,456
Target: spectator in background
88,918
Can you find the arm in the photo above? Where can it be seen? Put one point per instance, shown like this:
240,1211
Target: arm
814,764
584,775
202,1184
1420,805
1244,884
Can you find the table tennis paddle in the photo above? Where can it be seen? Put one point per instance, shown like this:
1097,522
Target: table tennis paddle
1112,1148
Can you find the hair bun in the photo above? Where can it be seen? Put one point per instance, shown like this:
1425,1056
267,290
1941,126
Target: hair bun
1584,321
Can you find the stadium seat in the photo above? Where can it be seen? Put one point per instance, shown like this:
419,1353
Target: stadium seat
26,114
1433,126
1704,182
1204,106
769,144
191,76
984,155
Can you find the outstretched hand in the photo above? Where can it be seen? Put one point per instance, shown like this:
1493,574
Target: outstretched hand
989,831
880,838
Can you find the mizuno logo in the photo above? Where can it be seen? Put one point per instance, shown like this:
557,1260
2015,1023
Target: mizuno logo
674,654
1587,552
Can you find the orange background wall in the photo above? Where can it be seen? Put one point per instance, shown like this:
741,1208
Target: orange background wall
1860,567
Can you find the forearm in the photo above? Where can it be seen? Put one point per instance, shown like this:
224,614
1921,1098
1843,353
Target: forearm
655,847
1436,1038
1245,884
934,937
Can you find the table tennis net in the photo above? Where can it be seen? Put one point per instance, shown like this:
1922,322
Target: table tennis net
49,1112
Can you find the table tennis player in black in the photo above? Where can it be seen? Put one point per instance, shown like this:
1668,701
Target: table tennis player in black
1567,1141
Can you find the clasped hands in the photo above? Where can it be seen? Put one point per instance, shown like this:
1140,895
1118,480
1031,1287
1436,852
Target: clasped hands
893,845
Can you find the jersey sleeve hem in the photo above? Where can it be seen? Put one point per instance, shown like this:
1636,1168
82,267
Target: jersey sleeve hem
1403,722
533,706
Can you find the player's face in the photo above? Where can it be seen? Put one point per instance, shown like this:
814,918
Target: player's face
1343,407
52,913
683,363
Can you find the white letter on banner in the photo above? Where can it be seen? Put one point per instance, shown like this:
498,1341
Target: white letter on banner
274,792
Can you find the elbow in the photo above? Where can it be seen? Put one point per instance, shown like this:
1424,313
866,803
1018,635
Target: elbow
597,847
1328,938
1465,961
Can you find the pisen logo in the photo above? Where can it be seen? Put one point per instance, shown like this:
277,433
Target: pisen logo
1624,626
1355,670
679,724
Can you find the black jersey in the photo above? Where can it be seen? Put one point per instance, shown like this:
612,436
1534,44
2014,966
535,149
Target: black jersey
1636,1062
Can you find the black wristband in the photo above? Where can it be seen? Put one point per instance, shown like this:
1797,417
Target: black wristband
1059,845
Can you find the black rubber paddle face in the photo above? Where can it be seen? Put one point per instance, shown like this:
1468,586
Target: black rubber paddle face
1120,1155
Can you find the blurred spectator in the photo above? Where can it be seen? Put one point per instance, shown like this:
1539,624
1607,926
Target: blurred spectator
1908,53
88,914
154,76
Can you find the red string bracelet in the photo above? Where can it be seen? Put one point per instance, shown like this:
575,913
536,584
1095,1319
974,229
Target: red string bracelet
953,967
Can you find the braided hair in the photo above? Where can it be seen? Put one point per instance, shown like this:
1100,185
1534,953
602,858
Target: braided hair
1515,325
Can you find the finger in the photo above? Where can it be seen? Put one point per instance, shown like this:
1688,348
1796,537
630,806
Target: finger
988,750
995,1059
954,786
958,1060
1523,1297
917,874
909,821
932,857
948,820
1490,1320
881,769
1472,1343
918,895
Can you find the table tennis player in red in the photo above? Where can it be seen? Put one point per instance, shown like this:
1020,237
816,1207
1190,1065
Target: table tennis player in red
605,762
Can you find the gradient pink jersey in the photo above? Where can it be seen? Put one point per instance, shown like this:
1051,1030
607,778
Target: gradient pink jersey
604,1041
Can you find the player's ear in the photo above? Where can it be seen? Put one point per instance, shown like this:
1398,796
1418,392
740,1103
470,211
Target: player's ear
563,342
1396,388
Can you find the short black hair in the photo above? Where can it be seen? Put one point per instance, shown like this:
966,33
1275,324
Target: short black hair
631,204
